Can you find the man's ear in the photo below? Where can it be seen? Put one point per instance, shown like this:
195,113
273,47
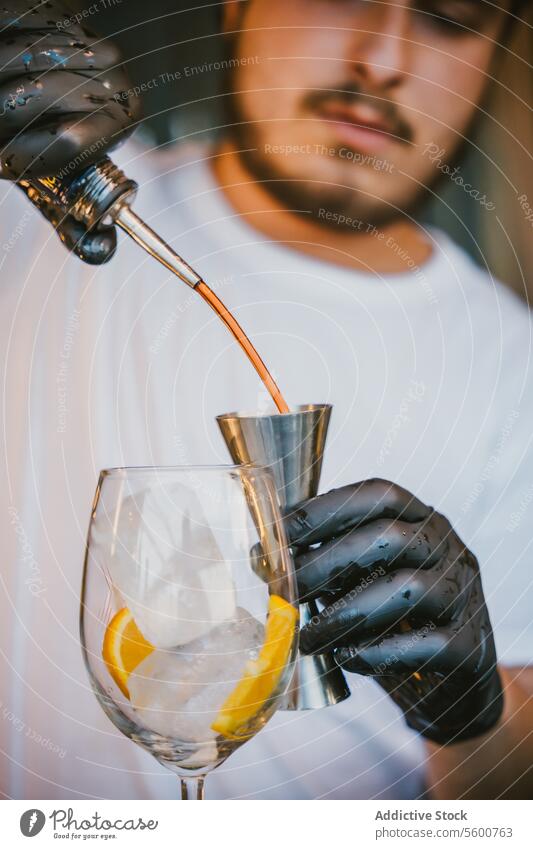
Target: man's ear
232,12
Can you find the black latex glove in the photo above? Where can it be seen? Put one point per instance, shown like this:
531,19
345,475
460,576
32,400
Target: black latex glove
63,101
403,603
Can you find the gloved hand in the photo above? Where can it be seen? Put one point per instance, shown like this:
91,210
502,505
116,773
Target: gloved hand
403,603
63,99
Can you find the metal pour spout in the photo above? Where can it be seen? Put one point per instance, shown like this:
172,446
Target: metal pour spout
292,445
141,233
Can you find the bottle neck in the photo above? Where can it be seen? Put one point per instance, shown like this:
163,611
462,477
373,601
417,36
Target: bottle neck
92,196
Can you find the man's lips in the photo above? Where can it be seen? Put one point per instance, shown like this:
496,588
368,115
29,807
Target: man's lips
360,116
361,127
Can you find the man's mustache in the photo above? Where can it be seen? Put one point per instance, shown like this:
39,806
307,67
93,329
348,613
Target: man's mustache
348,94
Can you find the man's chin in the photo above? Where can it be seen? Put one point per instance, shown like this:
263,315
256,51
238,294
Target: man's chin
344,211
340,209
347,208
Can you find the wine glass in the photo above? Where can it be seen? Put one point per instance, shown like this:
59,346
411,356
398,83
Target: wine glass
188,610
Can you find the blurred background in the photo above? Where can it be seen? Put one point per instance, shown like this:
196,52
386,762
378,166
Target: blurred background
171,36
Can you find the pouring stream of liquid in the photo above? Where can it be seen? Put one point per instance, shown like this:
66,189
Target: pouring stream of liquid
163,253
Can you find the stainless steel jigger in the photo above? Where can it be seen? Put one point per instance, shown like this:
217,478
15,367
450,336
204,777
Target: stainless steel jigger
292,445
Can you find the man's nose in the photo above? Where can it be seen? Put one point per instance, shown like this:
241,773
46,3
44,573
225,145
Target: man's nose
381,46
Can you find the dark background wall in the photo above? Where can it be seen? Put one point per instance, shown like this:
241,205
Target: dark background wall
167,38
161,39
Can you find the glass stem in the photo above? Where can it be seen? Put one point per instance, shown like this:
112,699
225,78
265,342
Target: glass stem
192,787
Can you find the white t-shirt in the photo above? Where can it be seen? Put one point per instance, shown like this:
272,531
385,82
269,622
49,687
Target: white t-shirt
429,374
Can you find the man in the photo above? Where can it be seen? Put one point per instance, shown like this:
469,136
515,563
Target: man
303,218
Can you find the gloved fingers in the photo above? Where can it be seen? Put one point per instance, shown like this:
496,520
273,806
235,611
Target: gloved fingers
115,84
337,565
29,15
379,607
462,651
335,512
94,247
423,649
63,92
63,147
43,53
31,104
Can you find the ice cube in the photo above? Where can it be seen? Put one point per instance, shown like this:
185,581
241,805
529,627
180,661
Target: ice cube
179,692
167,565
183,602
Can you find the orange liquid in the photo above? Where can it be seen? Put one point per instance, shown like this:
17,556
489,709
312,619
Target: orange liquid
236,330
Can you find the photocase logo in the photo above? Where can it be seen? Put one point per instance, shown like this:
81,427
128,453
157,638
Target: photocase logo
32,822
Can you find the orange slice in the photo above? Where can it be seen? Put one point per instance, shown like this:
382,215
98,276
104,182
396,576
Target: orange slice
124,648
261,676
